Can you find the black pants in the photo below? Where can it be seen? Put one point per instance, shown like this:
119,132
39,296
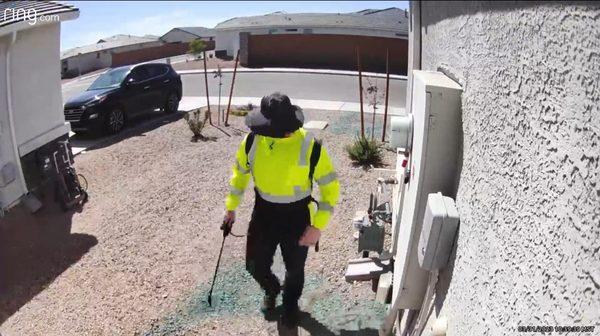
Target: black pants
275,224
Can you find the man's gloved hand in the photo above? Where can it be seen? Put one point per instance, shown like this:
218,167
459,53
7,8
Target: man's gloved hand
228,221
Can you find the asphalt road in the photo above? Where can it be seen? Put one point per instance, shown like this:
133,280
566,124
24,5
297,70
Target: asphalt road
296,85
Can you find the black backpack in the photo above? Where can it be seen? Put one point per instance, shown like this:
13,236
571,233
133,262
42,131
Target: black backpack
314,156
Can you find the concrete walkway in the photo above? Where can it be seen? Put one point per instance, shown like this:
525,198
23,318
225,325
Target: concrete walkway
190,103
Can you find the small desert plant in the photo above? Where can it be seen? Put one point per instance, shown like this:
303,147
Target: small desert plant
365,152
196,120
240,112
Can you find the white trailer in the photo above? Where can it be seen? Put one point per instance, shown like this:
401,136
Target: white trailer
31,112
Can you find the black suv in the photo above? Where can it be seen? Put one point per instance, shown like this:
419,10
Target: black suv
122,93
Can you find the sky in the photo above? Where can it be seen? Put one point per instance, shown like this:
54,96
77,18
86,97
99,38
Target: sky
98,19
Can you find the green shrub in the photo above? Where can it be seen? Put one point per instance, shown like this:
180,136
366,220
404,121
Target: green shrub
242,111
197,46
238,112
365,152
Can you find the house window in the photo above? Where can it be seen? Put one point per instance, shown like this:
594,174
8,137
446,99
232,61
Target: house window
272,31
308,31
291,30
97,55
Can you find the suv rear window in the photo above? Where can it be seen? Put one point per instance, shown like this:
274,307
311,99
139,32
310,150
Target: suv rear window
157,70
140,73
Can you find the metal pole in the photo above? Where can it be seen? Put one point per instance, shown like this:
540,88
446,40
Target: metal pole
237,58
373,118
206,85
219,102
360,94
387,91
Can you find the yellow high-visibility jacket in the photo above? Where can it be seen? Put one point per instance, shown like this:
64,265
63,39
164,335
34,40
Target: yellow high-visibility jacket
280,168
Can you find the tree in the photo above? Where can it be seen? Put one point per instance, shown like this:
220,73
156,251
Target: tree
197,46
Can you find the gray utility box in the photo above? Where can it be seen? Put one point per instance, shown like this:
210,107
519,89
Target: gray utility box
439,229
402,131
371,233
433,163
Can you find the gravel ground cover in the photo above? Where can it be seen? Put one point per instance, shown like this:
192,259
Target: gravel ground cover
139,258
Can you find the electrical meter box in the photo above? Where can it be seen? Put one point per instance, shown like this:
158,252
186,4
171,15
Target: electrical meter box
401,130
432,167
437,234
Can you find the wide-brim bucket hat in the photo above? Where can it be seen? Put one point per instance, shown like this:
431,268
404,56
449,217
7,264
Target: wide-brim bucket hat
276,118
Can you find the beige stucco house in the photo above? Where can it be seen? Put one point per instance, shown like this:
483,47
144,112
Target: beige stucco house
31,113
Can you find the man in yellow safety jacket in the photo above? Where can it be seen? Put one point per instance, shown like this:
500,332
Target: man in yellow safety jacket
283,159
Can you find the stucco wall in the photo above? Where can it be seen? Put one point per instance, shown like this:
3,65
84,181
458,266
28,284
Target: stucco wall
12,190
528,248
83,63
227,40
35,82
35,97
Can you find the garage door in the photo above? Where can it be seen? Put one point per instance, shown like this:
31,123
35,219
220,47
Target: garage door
327,52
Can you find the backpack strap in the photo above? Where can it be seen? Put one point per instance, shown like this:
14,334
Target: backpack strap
249,141
314,159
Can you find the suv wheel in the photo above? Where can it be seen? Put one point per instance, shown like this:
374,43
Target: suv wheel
172,103
115,120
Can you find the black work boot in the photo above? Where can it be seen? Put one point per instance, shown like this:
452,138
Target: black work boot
269,302
286,330
290,316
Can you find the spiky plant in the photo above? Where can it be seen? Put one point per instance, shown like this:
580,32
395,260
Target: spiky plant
365,152
196,120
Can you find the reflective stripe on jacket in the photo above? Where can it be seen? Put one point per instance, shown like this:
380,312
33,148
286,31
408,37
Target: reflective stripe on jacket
280,168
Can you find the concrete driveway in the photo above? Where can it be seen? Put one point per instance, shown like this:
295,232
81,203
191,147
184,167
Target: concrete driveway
82,142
